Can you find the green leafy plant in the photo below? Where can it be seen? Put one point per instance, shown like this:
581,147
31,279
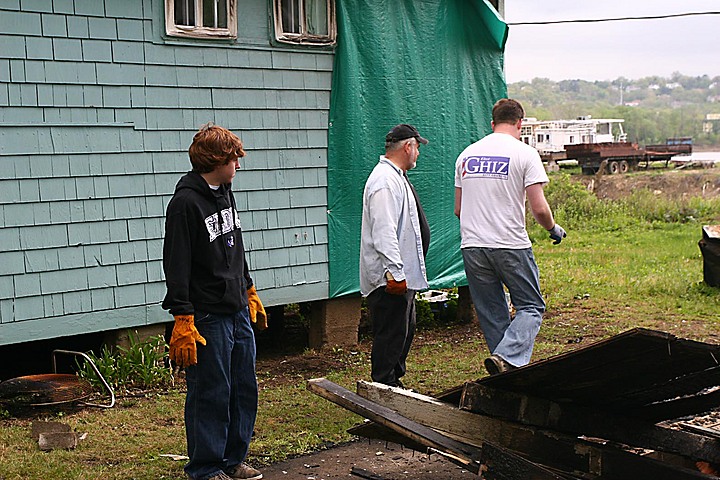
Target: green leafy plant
140,365
424,317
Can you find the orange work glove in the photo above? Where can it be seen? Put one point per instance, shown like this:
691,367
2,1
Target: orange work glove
396,288
257,311
183,350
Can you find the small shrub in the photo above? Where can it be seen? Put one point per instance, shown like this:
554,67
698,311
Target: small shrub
435,314
141,365
424,317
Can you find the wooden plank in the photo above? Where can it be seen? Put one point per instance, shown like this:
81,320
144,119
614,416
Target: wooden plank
391,419
601,461
462,425
552,449
590,422
472,429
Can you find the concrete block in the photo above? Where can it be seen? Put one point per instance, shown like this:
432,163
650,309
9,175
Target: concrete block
48,427
466,310
335,322
121,338
58,440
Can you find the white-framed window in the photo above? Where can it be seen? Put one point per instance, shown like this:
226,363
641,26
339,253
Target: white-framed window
201,18
306,22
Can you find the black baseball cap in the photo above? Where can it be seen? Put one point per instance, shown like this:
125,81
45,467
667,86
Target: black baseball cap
402,132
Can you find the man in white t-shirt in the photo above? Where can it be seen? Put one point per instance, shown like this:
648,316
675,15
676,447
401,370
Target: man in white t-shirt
492,179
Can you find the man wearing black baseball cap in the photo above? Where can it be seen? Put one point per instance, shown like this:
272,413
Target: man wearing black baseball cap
403,131
394,241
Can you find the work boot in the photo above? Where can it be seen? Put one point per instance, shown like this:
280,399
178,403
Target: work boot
244,472
495,364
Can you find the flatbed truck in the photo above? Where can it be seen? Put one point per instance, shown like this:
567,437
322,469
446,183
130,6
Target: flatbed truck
622,157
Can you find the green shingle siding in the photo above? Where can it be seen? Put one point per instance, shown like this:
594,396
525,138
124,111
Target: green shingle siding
77,27
131,30
20,23
124,9
102,299
53,25
28,308
97,50
96,115
7,289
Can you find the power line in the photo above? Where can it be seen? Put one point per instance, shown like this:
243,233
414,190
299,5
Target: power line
596,20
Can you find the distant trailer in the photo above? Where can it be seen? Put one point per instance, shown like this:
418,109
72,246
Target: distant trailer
622,157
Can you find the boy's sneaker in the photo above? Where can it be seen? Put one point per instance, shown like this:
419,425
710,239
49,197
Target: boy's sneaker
495,364
220,476
244,472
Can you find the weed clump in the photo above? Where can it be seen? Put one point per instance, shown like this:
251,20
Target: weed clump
141,365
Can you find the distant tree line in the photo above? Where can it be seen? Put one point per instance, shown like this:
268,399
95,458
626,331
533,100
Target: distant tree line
654,108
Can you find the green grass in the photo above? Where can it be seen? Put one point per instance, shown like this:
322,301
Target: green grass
634,263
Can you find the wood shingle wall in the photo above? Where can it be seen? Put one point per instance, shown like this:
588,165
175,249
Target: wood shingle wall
97,109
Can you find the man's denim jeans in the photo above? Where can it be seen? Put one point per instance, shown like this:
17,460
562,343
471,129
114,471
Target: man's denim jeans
222,394
487,269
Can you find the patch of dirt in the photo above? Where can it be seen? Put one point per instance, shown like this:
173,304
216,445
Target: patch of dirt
272,371
388,461
668,183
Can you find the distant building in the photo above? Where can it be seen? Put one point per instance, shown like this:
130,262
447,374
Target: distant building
711,123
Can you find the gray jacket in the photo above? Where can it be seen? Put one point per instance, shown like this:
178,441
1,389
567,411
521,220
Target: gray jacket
390,240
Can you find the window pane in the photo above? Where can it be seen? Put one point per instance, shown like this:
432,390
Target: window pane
185,12
215,13
316,16
290,16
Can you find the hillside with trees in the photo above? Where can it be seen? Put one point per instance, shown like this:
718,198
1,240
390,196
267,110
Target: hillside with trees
654,108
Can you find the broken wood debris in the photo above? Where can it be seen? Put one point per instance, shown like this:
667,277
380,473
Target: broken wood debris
599,412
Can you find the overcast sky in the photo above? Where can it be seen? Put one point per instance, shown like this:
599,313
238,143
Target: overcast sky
608,50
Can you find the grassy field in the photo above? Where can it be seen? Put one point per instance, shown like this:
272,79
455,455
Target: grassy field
624,264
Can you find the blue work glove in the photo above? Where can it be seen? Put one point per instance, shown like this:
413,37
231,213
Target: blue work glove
557,233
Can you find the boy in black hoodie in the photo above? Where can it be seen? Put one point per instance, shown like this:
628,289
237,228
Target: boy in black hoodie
213,300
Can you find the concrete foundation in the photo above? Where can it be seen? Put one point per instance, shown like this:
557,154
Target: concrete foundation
335,322
466,309
121,338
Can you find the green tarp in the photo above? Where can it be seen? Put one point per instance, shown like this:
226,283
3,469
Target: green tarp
437,64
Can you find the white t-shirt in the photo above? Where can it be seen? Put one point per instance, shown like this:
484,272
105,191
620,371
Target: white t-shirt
493,174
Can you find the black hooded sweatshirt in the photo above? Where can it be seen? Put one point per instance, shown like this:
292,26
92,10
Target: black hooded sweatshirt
203,253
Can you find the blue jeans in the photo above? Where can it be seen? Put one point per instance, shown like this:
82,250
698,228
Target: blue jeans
222,395
487,270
